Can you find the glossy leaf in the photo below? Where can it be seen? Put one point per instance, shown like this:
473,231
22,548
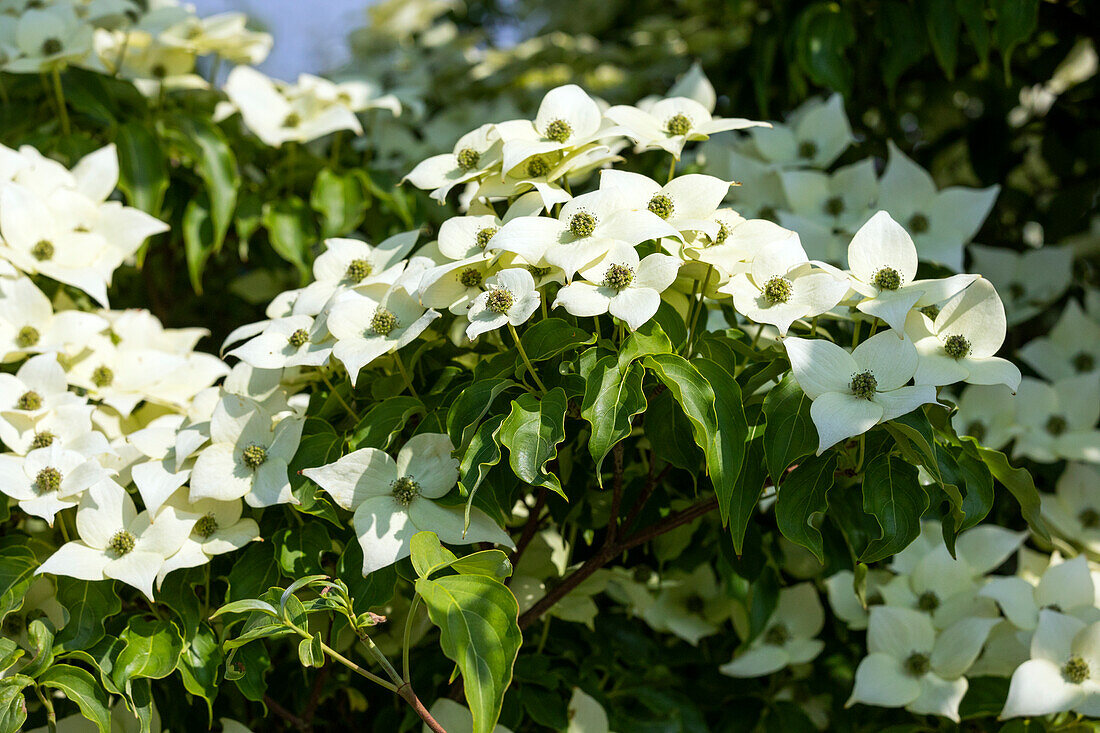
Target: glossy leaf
79,686
143,170
549,337
803,500
894,496
790,433
611,400
531,433
728,441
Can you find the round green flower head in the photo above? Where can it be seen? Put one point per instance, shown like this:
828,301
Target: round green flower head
47,480
470,277
29,401
292,120
121,543
383,321
807,149
538,167
298,338
918,664
777,635
1089,518
723,233
103,376
468,158
918,223
582,224
358,270
50,46
254,456
1056,425
679,124
661,205
778,290
206,526
159,71
42,250
405,489
834,206
886,278
1084,362
863,384
928,601
559,131
618,277
485,235
43,440
27,337
1076,670
956,345
499,300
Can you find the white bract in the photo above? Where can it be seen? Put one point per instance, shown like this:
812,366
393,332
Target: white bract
670,123
789,636
622,285
987,414
366,327
474,155
567,118
1067,587
686,203
826,209
1074,508
509,298
1071,347
690,606
814,135
49,479
1063,672
1059,420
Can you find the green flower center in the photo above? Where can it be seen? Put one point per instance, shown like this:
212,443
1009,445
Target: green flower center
102,376
679,124
405,489
976,430
538,167
918,223
468,158
298,338
807,149
1056,425
695,604
358,270
121,543
499,300
778,290
383,322
928,601
27,337
559,131
863,384
47,480
582,224
485,235
1089,518
1076,670
723,233
254,456
538,272
886,278
834,206
206,526
917,665
30,400
956,345
43,440
292,120
159,71
661,205
1084,362
767,212
51,46
777,635
470,277
618,277
42,250
932,311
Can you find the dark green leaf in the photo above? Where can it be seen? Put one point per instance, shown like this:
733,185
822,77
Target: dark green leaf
298,549
473,402
290,229
892,493
152,650
943,30
790,432
611,400
17,566
40,634
384,422
89,604
802,501
79,686
254,571
198,239
531,432
746,493
552,336
143,170
728,441
1016,21
340,200
823,33
1017,480
482,454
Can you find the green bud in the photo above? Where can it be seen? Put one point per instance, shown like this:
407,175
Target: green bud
471,277
618,277
886,278
777,635
1056,425
1076,670
863,384
499,300
358,270
485,235
956,346
102,376
468,158
254,456
928,601
43,250
807,149
405,489
383,322
918,223
27,337
1089,518
918,665
29,401
121,543
538,167
559,131
43,440
298,338
582,224
47,480
834,206
51,46
778,290
661,205
206,526
679,124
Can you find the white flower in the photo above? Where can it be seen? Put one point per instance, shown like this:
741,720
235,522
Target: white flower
852,393
788,636
687,203
545,174
567,118
286,342
739,241
760,195
781,286
217,528
49,479
940,222
38,388
622,285
814,135
690,605
224,34
1029,280
474,155
987,414
1063,672
454,285
1071,347
840,588
510,298
962,340
1066,587
122,377
1074,507
49,38
28,324
827,208
366,328
908,666
247,456
1059,420
393,500
117,542
357,95
882,263
670,123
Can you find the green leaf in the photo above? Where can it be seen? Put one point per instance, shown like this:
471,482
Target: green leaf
79,686
367,592
746,493
790,433
428,553
823,33
13,707
801,503
246,605
473,402
531,432
943,30
40,634
310,652
903,41
216,165
478,621
17,566
142,168
152,650
669,433
611,400
973,17
247,667
198,239
1017,480
298,550
552,336
384,422
89,604
10,653
254,571
200,666
289,226
482,454
340,200
650,339
728,441
1016,21
894,496
429,556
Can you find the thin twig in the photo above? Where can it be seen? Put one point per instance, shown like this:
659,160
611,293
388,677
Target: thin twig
616,493
284,713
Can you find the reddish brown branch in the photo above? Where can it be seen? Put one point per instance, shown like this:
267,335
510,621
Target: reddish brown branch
406,692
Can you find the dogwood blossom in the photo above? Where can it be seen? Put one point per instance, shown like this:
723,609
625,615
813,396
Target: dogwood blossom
1059,420
366,327
814,135
621,284
671,122
48,479
1029,280
689,605
788,636
474,155
567,118
1067,587
1073,510
509,298
987,414
687,203
217,527
1063,672
826,209
1071,347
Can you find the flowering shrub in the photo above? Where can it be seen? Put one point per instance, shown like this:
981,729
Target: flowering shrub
632,416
